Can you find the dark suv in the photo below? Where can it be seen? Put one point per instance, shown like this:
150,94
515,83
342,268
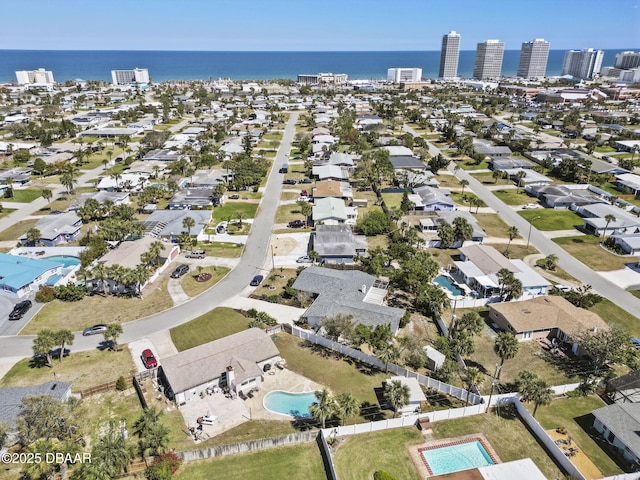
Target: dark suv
20,309
180,271
296,224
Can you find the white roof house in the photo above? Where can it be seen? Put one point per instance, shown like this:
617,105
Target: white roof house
416,395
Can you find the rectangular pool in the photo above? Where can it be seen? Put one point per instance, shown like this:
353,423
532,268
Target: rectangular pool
456,457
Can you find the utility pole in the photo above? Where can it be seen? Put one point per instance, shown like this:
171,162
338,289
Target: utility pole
493,384
530,226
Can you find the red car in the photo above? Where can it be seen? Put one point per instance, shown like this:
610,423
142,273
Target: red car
148,359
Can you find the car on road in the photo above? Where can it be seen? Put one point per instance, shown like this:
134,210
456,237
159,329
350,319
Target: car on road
95,330
289,181
149,359
196,254
305,180
256,281
530,206
180,271
20,309
636,343
304,259
296,224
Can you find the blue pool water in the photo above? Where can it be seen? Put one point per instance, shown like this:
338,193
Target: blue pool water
457,457
446,282
66,260
296,404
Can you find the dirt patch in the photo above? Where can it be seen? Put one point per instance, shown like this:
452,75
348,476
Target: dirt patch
284,246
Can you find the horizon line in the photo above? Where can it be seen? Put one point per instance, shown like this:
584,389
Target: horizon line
274,51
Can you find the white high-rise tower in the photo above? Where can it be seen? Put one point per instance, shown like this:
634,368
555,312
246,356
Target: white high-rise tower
533,59
449,55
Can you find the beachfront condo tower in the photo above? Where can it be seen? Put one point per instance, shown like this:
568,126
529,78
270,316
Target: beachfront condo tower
449,55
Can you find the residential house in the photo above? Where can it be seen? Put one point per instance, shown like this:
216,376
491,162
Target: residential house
619,424
332,211
486,148
595,220
398,151
509,164
209,178
55,229
407,162
167,224
163,155
600,167
18,175
11,399
348,292
479,267
545,317
628,183
237,361
192,198
125,181
563,196
628,242
338,244
429,198
334,158
331,188
22,276
116,198
429,225
523,177
331,172
417,398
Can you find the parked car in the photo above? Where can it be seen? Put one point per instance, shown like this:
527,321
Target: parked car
296,224
636,343
20,309
95,330
235,196
303,259
256,281
530,206
148,359
304,193
180,271
305,180
196,254
289,181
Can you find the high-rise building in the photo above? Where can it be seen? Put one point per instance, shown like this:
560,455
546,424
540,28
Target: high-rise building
449,55
585,63
533,59
40,77
488,60
627,60
404,75
127,77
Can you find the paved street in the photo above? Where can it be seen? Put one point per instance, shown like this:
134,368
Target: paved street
254,260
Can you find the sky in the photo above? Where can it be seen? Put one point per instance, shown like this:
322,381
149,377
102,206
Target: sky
304,25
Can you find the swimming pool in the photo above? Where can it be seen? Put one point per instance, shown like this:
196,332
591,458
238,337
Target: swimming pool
66,260
447,283
287,403
456,457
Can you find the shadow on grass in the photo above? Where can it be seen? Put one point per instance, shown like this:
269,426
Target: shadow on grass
586,423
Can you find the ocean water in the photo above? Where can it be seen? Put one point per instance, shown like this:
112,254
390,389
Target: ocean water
174,65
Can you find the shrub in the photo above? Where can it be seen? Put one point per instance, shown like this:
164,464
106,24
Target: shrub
121,384
70,292
252,313
46,294
382,475
163,467
267,319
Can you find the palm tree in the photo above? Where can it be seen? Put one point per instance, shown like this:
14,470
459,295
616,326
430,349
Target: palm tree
506,347
609,218
188,223
519,176
239,216
497,174
397,394
324,407
43,344
540,395
388,353
551,261
116,177
463,183
347,406
68,180
47,194
100,273
63,338
111,334
472,377
513,233
110,455
33,235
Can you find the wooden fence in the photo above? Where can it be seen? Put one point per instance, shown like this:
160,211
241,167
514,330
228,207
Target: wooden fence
105,387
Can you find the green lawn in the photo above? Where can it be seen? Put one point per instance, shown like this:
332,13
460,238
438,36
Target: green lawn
586,248
6,211
551,219
514,197
296,461
222,249
17,229
492,224
230,210
286,213
192,287
613,314
385,450
325,368
506,433
26,195
574,414
392,200
218,323
467,164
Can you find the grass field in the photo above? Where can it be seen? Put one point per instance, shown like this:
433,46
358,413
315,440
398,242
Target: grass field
506,434
492,224
26,195
230,210
586,248
513,197
574,414
76,316
296,461
613,314
213,325
6,211
287,213
17,229
192,287
385,450
82,369
392,200
551,219
222,249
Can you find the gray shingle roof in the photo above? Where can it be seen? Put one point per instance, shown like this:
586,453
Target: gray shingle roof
11,398
337,240
623,419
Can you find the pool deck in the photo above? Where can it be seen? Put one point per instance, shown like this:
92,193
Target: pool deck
415,451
